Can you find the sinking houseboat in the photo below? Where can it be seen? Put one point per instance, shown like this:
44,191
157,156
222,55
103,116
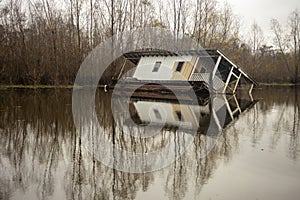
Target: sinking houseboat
161,72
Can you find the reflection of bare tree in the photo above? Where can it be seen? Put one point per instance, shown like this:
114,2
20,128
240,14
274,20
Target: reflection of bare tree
294,141
286,106
40,147
32,132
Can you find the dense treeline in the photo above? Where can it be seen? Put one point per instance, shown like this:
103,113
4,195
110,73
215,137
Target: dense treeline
44,42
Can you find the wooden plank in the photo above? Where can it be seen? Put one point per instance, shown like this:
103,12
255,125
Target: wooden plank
216,66
237,82
228,79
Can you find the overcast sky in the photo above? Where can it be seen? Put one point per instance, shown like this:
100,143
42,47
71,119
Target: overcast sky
262,11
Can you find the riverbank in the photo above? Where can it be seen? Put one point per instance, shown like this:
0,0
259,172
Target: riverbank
3,87
36,86
101,86
278,84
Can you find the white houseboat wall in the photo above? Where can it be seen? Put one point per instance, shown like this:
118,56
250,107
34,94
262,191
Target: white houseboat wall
165,68
174,115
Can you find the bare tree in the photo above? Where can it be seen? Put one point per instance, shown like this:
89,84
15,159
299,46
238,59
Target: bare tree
294,23
257,37
227,20
281,41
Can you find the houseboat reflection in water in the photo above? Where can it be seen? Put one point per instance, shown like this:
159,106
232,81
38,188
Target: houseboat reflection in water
218,111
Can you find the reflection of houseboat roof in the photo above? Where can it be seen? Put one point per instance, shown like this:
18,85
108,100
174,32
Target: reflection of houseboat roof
200,101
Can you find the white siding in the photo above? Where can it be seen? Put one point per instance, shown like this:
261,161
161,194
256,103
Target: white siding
146,112
146,65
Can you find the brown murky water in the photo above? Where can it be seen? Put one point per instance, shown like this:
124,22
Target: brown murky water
256,157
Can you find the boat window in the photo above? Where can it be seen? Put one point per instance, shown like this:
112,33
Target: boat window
179,116
157,114
179,66
156,66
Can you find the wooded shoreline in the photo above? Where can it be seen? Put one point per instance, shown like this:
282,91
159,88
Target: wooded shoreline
261,85
45,42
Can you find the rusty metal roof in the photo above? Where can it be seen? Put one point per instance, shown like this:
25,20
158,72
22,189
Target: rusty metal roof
135,56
